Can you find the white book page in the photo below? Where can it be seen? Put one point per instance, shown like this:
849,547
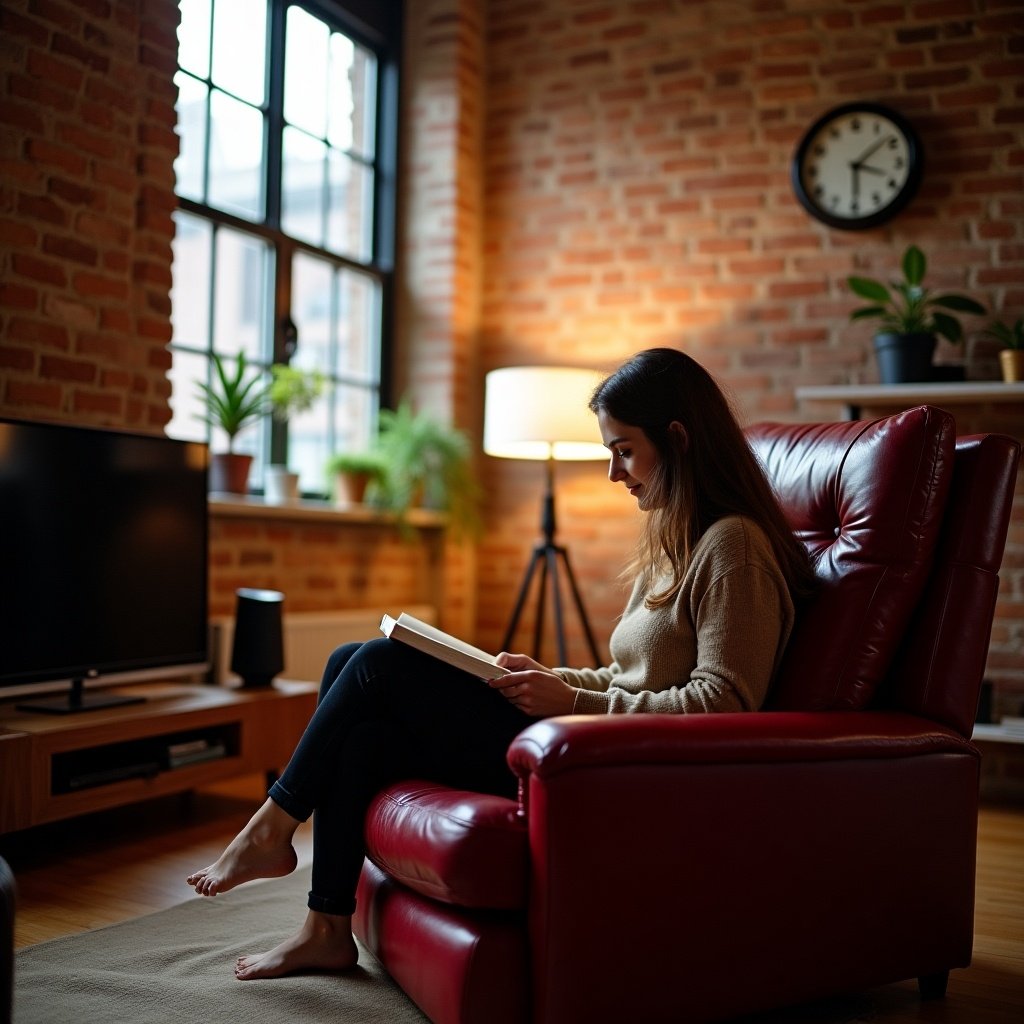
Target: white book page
410,621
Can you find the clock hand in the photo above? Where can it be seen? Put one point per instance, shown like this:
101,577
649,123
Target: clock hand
872,170
870,150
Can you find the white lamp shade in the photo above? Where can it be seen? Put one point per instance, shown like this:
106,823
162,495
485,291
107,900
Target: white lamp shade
541,412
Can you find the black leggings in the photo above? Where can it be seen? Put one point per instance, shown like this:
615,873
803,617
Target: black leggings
388,712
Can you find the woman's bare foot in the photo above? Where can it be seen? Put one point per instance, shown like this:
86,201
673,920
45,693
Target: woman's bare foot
263,849
323,943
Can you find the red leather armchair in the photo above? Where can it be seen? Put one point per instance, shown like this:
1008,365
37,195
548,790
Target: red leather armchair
691,868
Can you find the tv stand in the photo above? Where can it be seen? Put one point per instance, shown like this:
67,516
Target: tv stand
78,699
173,737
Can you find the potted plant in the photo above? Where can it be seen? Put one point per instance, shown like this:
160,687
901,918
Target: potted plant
291,391
354,473
910,317
232,402
428,463
1011,338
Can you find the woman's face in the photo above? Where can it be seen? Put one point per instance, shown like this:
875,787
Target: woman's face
633,457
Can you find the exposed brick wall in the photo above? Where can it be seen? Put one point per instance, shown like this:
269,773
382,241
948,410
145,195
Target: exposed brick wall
86,194
637,157
581,179
441,253
319,565
87,146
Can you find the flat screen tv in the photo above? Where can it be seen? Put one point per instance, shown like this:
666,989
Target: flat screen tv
103,562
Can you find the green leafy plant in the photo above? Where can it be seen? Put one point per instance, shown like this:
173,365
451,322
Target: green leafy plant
233,402
365,471
371,462
907,307
430,461
293,390
1010,336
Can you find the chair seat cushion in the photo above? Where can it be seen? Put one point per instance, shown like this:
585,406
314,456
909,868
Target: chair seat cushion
455,846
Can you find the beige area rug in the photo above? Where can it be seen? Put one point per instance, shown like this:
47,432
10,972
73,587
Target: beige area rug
175,967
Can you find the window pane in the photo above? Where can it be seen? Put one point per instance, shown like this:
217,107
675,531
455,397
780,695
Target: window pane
194,37
223,288
305,72
363,77
191,109
303,192
309,446
242,296
190,281
186,405
240,48
355,416
236,157
311,310
350,211
358,326
341,110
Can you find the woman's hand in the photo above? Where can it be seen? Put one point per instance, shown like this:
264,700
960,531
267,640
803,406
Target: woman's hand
533,688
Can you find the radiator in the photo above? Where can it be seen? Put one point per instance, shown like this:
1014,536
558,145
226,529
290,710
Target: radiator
309,637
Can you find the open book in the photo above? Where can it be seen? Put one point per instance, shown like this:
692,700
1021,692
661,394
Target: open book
410,630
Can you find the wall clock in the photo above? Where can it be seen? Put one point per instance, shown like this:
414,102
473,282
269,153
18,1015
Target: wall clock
857,166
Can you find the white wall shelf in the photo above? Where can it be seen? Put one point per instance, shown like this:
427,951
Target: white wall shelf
853,397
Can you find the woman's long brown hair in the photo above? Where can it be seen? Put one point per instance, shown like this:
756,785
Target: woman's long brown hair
710,474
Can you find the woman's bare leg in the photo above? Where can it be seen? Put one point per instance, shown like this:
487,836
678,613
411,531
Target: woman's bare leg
263,849
323,943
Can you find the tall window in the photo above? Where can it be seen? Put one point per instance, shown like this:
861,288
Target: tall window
285,233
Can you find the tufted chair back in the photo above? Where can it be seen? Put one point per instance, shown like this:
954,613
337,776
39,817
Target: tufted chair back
938,669
867,499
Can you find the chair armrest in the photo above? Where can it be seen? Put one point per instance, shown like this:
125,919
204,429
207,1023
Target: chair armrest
765,839
556,745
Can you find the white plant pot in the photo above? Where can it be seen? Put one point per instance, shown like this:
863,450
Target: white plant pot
280,485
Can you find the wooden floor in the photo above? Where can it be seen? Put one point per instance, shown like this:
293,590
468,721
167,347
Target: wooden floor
82,874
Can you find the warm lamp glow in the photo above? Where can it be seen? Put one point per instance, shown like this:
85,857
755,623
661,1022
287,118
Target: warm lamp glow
540,412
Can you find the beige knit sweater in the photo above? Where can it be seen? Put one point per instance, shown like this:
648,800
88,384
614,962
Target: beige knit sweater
715,648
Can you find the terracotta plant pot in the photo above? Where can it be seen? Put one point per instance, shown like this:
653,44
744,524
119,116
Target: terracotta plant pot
229,472
1012,362
350,488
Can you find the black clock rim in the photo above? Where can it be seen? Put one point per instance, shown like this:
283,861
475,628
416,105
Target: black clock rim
909,190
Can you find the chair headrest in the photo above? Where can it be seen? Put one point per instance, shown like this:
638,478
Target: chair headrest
866,498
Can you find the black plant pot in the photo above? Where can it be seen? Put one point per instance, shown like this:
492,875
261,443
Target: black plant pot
904,358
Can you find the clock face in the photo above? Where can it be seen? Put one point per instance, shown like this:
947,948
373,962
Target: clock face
857,166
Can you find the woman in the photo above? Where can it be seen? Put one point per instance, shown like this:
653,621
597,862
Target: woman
711,609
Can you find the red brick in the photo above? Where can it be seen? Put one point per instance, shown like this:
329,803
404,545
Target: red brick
21,393
89,403
42,208
14,357
70,249
46,271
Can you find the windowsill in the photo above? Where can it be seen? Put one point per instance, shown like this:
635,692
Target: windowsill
233,506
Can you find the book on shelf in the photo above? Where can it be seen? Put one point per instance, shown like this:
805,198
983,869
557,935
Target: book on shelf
430,640
1013,724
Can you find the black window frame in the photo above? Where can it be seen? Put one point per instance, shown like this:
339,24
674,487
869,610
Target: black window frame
377,26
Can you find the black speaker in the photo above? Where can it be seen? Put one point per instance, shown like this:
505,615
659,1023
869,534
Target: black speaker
257,653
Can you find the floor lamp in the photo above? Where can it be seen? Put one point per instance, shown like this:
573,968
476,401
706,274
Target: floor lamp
541,413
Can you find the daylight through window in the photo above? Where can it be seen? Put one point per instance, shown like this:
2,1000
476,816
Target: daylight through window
283,247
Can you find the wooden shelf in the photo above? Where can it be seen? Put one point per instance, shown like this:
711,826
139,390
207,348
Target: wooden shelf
855,396
259,729
235,506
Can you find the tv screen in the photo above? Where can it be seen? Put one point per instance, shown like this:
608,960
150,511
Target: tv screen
103,556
